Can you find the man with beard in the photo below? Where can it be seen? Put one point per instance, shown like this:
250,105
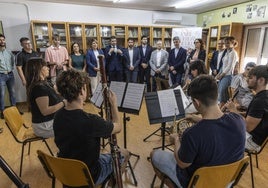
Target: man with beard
257,113
7,62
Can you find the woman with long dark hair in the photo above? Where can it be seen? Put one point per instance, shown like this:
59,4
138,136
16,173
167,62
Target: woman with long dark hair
77,58
42,97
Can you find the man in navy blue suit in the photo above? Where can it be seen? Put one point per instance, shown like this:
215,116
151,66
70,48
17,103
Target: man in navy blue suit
114,61
132,61
216,60
144,71
176,60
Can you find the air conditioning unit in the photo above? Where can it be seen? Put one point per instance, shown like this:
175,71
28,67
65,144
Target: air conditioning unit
167,18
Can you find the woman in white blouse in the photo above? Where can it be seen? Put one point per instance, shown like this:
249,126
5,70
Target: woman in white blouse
225,74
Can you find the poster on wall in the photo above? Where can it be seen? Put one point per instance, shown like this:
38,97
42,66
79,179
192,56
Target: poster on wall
187,36
1,28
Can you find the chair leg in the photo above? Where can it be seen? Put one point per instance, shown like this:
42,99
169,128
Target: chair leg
257,164
29,148
53,182
251,170
152,184
21,157
48,147
162,182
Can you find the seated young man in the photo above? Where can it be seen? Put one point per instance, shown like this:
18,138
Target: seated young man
257,113
78,133
216,139
239,83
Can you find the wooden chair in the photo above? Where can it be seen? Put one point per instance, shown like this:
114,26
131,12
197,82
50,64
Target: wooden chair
216,176
250,153
69,172
20,132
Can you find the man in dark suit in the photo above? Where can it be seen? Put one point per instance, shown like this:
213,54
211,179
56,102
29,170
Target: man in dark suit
176,60
144,71
114,59
216,60
132,61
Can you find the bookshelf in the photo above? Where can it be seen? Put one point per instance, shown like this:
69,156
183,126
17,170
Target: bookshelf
40,35
75,35
133,32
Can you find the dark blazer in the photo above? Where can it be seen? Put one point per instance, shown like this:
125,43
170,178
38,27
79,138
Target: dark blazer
114,61
201,55
145,58
179,61
136,58
214,60
92,62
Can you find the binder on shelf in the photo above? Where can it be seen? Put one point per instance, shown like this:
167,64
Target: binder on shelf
163,106
129,96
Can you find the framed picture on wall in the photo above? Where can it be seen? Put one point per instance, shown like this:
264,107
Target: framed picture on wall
1,28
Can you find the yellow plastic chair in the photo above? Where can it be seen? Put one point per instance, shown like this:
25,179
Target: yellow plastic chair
20,132
69,172
216,176
250,153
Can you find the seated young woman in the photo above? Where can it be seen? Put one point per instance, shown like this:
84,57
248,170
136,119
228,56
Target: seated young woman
42,97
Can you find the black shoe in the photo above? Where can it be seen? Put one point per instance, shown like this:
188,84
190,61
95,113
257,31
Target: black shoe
21,113
1,115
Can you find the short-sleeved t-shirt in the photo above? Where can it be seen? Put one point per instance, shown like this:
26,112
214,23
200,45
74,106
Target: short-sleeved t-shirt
258,108
77,135
41,90
23,57
211,142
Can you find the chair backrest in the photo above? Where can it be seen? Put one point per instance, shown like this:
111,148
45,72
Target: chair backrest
219,176
13,120
69,172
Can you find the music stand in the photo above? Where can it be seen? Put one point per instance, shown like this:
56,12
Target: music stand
154,110
11,174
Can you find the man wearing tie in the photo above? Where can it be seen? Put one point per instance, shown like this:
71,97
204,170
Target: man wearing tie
176,60
158,63
114,60
132,61
216,60
144,71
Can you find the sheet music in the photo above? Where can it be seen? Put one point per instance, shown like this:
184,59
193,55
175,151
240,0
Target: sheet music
168,104
118,88
97,97
185,100
134,95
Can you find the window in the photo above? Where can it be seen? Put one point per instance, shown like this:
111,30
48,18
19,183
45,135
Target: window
256,45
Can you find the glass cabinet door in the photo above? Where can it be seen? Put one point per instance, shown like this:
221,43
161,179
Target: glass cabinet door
105,35
90,33
40,36
167,38
120,34
157,35
145,31
133,34
59,28
75,31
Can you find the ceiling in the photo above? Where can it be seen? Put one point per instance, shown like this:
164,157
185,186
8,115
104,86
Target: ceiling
153,5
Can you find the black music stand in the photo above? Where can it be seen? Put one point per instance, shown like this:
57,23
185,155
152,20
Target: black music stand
11,174
155,114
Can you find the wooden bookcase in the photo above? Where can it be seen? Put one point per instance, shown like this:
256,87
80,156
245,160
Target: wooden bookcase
221,31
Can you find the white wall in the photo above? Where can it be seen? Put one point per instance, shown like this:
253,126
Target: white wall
16,16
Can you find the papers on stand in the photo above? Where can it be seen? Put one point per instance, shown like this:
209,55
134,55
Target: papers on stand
168,104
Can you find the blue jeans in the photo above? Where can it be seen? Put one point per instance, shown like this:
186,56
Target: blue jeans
9,81
106,163
165,162
224,83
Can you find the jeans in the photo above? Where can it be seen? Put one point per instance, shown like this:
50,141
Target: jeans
224,83
9,81
166,163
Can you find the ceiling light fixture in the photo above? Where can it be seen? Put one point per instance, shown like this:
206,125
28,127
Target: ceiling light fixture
192,3
116,1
